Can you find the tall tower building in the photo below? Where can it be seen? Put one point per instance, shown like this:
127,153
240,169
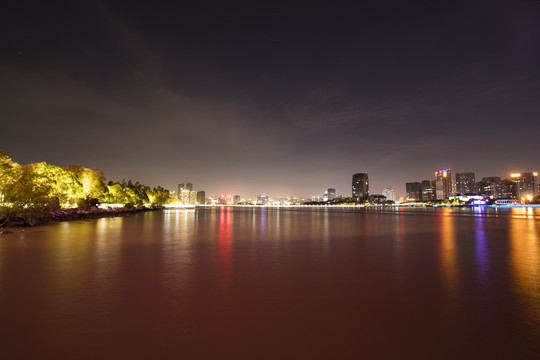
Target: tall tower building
491,187
180,188
526,185
184,196
414,191
184,193
201,197
443,184
360,187
428,190
192,197
465,183
509,189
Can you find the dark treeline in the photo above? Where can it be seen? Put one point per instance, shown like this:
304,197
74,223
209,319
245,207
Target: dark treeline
33,189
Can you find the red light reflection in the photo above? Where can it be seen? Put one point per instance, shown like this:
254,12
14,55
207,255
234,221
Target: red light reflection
224,248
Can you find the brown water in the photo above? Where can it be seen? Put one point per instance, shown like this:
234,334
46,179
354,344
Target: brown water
266,283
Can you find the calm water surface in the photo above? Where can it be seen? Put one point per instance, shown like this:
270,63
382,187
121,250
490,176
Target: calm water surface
269,283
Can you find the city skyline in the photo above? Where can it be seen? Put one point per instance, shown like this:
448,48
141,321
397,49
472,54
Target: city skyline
401,192
284,99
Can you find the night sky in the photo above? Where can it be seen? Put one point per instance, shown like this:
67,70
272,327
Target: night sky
281,98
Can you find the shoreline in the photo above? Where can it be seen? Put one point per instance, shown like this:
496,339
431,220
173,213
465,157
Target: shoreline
71,215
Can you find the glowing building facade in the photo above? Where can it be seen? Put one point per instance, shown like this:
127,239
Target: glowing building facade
526,185
188,196
490,187
443,184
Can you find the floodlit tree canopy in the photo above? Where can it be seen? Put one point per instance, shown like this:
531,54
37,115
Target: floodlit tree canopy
40,186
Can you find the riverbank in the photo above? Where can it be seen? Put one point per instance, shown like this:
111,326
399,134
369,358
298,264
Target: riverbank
71,215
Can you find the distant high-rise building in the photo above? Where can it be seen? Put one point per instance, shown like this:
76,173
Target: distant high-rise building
509,189
183,196
526,184
180,188
186,197
428,190
192,197
201,197
491,187
236,199
360,187
443,184
389,194
331,193
414,191
465,183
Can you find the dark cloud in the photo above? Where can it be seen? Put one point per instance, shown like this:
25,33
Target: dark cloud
281,99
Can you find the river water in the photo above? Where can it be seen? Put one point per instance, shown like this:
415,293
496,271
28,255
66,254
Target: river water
256,283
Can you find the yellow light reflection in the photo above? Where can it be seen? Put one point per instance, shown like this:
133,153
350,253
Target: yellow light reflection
448,251
525,262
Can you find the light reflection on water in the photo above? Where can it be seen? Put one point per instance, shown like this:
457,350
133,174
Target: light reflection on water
448,253
525,262
256,282
481,251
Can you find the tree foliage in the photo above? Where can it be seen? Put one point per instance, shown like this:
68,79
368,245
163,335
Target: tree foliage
34,188
9,172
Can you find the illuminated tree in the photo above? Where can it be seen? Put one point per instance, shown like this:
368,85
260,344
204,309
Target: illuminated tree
92,182
28,199
127,192
9,173
117,194
29,190
63,184
158,196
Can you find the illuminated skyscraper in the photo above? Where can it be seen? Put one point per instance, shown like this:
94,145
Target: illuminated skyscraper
465,183
180,188
192,197
526,185
184,193
491,187
184,196
360,187
443,184
509,189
